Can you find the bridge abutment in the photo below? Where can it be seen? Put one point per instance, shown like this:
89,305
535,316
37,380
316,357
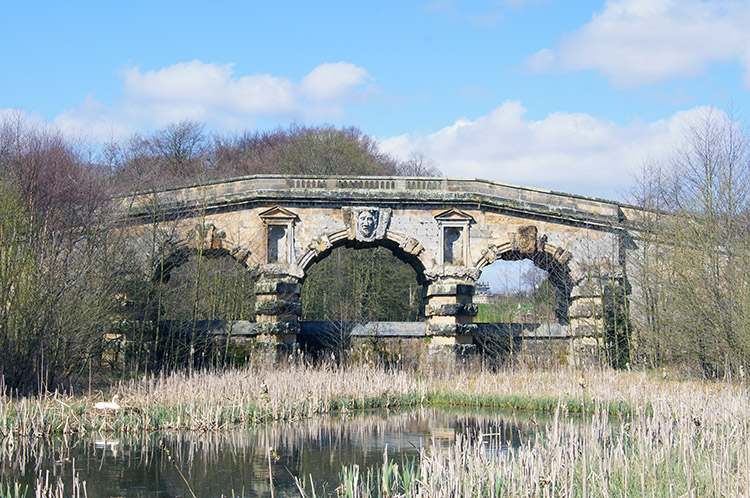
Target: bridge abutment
587,309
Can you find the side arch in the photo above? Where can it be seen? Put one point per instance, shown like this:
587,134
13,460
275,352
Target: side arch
177,248
558,262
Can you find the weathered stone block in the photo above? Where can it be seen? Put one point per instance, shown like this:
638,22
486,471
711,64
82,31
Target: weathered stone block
454,309
277,328
449,290
586,327
283,288
434,329
448,355
276,308
585,308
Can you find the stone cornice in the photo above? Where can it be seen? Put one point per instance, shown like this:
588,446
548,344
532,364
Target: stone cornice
263,190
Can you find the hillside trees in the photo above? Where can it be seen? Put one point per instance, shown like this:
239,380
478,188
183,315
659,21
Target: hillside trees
183,153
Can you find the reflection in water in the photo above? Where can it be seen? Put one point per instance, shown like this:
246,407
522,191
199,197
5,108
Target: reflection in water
237,461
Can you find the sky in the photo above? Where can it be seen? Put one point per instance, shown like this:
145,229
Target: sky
559,95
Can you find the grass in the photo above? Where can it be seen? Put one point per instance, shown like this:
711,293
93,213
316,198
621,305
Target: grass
674,437
507,312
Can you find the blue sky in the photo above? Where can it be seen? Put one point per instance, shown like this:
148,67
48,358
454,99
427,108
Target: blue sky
569,96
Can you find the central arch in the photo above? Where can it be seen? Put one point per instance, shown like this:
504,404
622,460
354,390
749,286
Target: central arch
404,247
386,283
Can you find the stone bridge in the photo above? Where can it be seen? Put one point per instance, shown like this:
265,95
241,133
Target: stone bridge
447,229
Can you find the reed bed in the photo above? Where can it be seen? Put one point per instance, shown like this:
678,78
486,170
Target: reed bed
212,401
47,486
645,434
677,439
209,401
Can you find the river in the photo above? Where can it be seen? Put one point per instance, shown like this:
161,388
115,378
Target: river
244,462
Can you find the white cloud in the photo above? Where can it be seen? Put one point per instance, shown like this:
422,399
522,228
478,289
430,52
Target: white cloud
636,43
92,119
575,153
214,94
331,81
540,62
211,86
16,117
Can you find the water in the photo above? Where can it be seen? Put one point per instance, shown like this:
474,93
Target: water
236,462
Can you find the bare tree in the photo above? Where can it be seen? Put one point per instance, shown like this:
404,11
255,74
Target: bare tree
692,305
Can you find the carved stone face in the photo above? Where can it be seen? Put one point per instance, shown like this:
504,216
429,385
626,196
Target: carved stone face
366,223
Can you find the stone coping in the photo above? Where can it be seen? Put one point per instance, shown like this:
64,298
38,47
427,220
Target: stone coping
384,190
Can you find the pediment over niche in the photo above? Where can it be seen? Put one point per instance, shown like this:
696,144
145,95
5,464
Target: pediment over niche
278,213
454,214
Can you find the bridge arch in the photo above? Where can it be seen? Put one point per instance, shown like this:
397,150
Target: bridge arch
176,248
169,259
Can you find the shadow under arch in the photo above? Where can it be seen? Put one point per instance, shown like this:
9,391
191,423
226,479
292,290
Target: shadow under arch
212,282
555,261
178,256
404,247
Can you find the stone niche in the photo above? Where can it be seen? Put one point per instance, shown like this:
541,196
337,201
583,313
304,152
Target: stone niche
278,233
453,227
